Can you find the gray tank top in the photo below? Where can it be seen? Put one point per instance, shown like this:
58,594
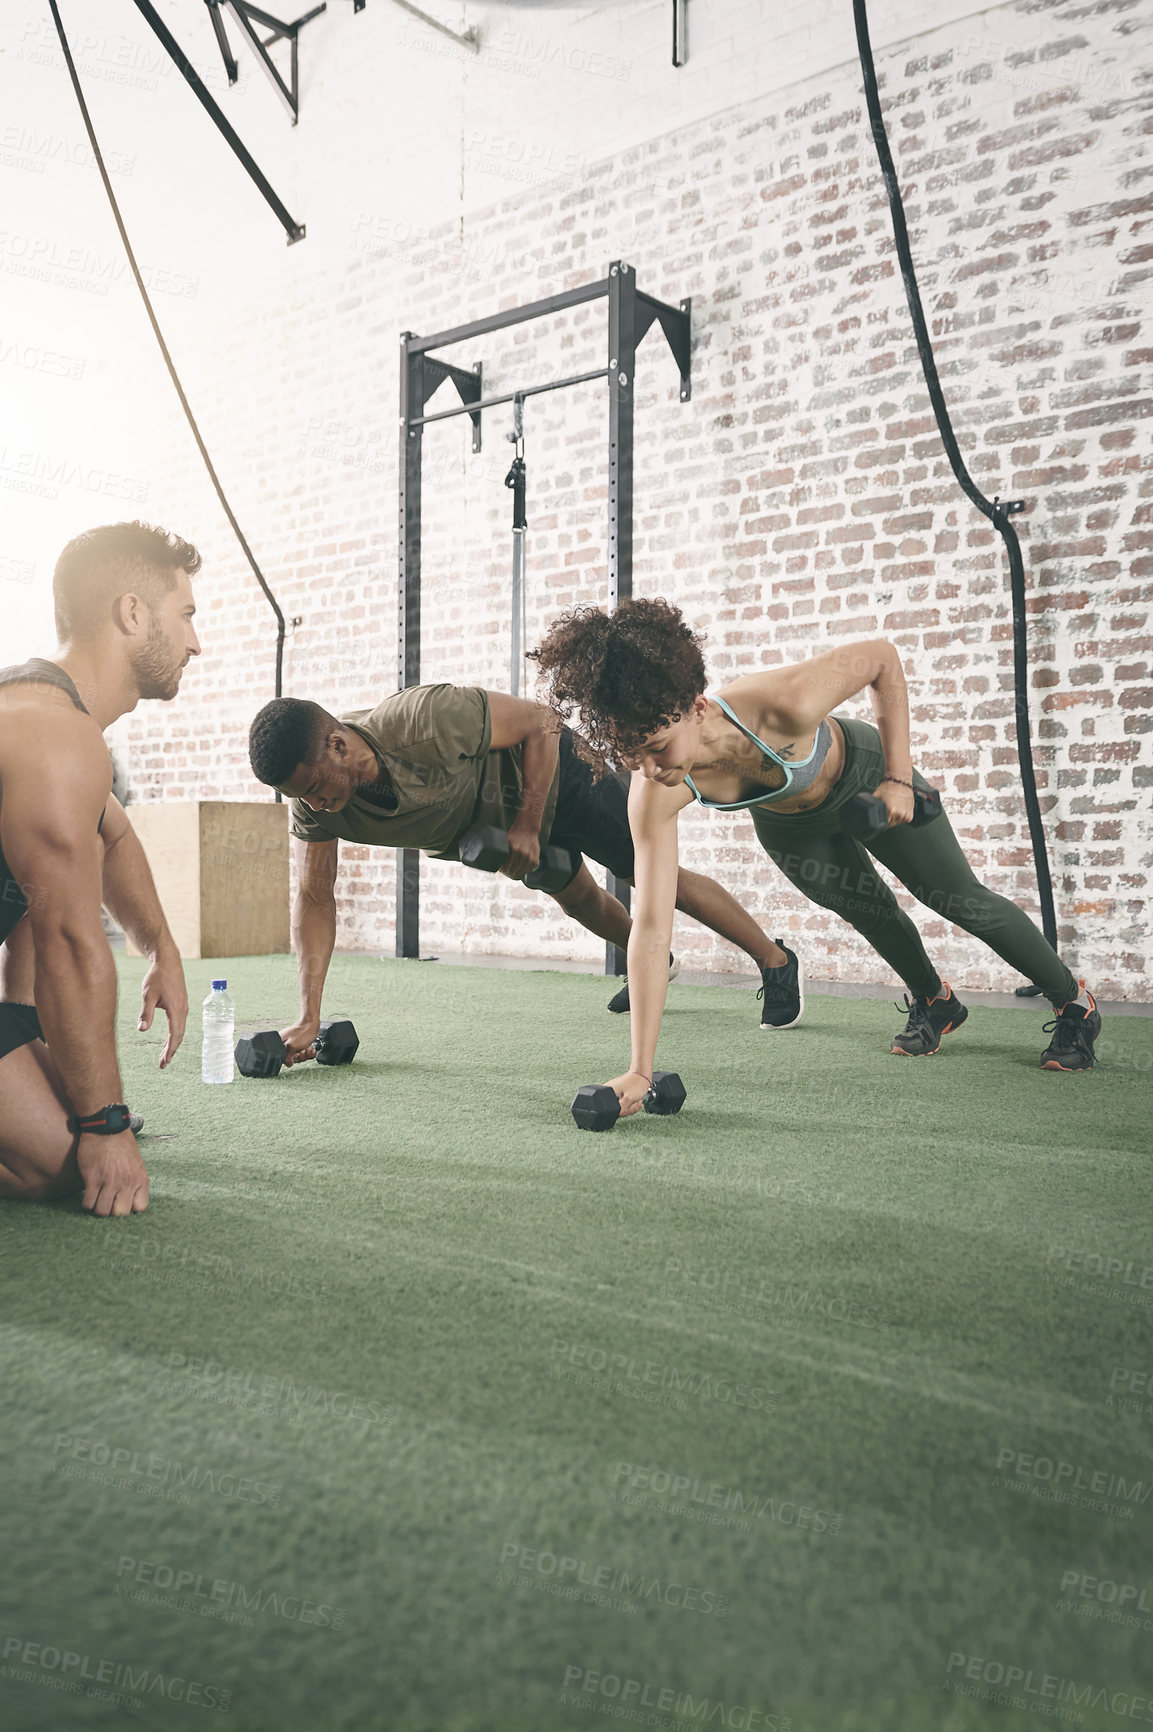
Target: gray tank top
798,776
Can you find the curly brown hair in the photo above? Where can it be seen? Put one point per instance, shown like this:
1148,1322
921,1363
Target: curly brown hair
629,673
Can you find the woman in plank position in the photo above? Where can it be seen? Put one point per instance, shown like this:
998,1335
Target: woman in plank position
767,744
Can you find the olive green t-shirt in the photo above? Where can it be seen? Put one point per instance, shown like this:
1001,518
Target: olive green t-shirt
434,741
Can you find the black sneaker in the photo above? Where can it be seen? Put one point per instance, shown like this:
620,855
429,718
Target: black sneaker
929,1019
1074,1031
782,992
621,1001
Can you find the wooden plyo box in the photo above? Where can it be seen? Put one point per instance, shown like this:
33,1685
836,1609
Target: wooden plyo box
221,871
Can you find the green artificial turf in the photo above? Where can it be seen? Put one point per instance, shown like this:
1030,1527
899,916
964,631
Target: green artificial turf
392,1342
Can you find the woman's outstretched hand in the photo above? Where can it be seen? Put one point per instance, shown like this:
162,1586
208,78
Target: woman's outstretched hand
631,1090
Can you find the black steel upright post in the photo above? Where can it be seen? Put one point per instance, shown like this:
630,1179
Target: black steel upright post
408,609
622,323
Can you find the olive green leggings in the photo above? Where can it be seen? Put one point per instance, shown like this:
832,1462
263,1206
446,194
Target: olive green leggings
834,870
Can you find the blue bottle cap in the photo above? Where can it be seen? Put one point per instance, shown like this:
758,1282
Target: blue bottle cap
219,986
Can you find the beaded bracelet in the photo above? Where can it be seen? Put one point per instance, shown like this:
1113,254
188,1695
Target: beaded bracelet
899,781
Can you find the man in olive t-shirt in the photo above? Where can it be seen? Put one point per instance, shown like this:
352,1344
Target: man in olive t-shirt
426,765
443,773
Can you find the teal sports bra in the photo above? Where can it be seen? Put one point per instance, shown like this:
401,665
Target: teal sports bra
798,777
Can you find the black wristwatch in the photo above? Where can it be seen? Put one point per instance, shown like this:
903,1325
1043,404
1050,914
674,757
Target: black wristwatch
108,1122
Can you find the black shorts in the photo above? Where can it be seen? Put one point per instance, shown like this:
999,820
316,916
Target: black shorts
19,1024
592,817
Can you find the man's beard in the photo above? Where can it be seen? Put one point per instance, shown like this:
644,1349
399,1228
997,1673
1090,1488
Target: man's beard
155,666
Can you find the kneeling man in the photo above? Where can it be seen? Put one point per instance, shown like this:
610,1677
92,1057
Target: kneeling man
124,612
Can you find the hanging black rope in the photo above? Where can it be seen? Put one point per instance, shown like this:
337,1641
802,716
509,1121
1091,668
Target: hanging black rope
168,362
997,513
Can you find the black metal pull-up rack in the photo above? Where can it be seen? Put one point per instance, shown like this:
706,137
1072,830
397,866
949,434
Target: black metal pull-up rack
631,313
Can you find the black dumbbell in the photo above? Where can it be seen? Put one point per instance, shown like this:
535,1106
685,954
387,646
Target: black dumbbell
260,1051
486,848
667,1094
597,1106
865,816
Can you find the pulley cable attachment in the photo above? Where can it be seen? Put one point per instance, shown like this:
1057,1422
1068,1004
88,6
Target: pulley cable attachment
515,479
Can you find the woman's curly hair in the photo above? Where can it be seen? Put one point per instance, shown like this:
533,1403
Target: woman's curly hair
629,673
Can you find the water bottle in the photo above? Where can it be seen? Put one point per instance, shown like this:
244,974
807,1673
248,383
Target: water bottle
219,1028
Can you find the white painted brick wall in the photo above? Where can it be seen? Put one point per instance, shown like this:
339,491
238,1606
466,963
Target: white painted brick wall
802,498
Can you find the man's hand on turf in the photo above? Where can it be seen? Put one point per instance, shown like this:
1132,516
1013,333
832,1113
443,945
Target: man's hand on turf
523,851
164,989
300,1040
631,1090
115,1181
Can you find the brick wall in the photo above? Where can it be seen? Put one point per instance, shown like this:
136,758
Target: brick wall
801,499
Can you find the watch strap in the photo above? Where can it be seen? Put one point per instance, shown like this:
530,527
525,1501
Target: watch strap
108,1122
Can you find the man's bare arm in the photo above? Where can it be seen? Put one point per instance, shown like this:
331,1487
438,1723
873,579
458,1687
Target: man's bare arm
313,937
520,722
54,793
130,896
129,891
55,787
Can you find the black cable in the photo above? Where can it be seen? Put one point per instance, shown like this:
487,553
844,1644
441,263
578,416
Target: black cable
168,362
996,513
